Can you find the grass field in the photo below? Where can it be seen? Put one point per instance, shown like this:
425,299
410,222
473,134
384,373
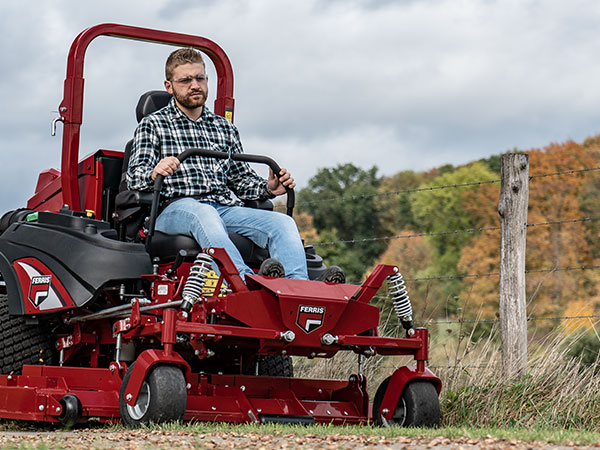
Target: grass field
557,401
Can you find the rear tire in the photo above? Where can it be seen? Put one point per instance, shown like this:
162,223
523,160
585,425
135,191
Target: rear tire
419,405
163,397
276,366
22,344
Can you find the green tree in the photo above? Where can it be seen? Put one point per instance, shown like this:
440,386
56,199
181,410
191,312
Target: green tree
443,210
394,205
341,201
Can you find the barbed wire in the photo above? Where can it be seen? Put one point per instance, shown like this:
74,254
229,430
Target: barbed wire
461,366
489,274
557,222
496,274
398,192
564,172
529,319
439,187
443,233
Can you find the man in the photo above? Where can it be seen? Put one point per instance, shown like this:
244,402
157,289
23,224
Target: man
205,193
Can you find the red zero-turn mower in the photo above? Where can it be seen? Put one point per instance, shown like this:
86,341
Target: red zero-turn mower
102,317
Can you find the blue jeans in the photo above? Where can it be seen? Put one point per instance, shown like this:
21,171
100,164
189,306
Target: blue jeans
209,223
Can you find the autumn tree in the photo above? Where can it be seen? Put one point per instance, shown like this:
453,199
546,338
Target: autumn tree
550,246
554,247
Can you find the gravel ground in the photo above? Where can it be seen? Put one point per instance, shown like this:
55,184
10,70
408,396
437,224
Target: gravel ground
144,439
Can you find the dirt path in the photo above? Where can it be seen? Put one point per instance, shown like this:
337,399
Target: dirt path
143,439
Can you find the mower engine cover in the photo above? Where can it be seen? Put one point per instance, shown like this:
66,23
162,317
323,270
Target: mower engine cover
57,261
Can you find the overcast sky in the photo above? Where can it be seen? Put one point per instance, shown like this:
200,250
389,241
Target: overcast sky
400,85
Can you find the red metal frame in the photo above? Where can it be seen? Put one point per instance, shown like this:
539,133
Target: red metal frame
36,394
71,107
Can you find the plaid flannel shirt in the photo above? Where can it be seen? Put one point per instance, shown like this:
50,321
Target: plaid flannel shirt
168,132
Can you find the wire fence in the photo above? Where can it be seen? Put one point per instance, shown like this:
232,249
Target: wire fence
449,232
468,323
438,187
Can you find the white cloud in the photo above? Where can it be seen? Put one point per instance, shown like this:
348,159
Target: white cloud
399,85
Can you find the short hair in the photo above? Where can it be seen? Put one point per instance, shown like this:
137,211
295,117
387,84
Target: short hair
186,55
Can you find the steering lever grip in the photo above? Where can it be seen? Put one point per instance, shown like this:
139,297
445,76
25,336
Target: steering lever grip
218,155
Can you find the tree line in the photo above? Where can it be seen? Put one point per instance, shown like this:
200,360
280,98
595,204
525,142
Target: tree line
357,219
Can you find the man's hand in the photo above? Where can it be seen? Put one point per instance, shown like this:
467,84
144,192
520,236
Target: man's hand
277,185
165,167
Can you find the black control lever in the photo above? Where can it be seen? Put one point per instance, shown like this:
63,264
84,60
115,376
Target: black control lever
181,254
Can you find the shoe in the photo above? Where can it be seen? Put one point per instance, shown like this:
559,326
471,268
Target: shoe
270,267
332,274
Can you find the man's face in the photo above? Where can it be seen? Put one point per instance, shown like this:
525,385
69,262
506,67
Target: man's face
190,94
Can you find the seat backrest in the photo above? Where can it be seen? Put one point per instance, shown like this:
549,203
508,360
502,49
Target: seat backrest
151,102
148,103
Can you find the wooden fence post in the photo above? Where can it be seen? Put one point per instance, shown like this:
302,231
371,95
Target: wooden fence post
512,207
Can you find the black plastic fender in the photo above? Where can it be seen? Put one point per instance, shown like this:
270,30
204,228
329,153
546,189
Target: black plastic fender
60,261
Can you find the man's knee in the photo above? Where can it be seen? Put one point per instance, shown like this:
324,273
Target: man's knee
288,223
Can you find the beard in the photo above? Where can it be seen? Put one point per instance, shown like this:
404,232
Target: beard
192,99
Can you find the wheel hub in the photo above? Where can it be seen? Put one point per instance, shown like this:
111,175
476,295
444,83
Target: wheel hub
141,406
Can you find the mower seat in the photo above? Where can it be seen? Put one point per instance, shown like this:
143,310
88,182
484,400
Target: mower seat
166,246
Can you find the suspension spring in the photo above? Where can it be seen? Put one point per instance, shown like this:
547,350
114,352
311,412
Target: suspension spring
192,291
401,300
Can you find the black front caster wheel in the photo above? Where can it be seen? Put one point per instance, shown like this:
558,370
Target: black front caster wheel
419,406
163,397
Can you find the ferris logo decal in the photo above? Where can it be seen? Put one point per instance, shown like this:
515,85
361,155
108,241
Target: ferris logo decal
39,288
310,317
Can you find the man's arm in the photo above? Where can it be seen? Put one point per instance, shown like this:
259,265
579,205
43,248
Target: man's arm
145,155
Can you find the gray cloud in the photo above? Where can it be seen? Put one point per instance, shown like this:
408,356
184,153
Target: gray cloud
399,85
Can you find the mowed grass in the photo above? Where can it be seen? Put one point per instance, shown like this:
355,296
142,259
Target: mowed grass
202,430
556,401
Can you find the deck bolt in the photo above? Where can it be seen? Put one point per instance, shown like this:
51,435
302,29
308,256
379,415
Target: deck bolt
288,335
311,411
214,408
328,412
320,391
188,386
10,377
41,407
385,411
129,397
258,410
242,388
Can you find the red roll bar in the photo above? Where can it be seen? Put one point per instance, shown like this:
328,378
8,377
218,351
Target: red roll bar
71,108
